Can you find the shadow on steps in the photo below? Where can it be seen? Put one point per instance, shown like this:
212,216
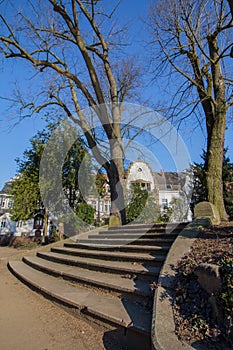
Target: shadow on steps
119,339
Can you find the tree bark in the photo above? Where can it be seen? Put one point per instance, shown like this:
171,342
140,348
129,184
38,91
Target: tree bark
45,224
214,162
230,2
116,176
216,126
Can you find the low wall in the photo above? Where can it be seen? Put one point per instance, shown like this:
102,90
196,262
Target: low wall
163,325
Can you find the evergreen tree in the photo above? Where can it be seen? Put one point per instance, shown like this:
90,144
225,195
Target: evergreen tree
86,213
77,156
227,190
199,193
137,203
26,187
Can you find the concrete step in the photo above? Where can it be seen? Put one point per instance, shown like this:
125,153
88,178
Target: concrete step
162,227
116,267
126,284
124,242
89,244
134,235
112,255
120,312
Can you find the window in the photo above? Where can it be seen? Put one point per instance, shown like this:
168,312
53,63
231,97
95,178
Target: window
3,223
139,170
164,203
168,187
19,224
101,206
38,222
3,202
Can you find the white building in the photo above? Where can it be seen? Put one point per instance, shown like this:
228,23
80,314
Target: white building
8,226
164,187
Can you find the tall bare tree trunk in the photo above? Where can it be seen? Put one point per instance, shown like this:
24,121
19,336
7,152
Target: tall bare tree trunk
214,162
117,193
216,126
116,176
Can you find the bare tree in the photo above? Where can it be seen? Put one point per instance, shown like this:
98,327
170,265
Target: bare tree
230,2
71,44
192,41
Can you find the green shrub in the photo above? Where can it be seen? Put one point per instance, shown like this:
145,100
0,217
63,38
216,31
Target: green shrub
137,203
85,212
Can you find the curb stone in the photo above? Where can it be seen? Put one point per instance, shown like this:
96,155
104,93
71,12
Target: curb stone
163,326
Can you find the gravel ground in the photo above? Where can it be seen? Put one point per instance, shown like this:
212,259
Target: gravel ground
192,310
29,321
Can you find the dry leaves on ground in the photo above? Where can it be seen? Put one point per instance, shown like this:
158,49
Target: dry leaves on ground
192,310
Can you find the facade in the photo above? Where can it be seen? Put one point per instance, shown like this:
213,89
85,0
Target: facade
162,186
31,227
5,198
101,204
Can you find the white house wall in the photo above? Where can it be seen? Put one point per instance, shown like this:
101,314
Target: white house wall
13,227
140,171
9,225
25,227
168,195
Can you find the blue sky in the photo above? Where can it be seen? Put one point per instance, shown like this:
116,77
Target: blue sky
14,139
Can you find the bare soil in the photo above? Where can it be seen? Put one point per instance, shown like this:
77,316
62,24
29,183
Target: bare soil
192,309
29,321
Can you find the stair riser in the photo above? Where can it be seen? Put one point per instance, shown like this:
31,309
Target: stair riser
118,290
140,233
123,248
115,270
129,235
149,228
101,256
125,244
125,241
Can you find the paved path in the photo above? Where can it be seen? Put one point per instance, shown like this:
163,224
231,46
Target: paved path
29,321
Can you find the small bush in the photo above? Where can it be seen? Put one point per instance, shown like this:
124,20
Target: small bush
85,212
136,204
24,242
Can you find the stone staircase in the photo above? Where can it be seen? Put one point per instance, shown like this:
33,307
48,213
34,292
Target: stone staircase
106,276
